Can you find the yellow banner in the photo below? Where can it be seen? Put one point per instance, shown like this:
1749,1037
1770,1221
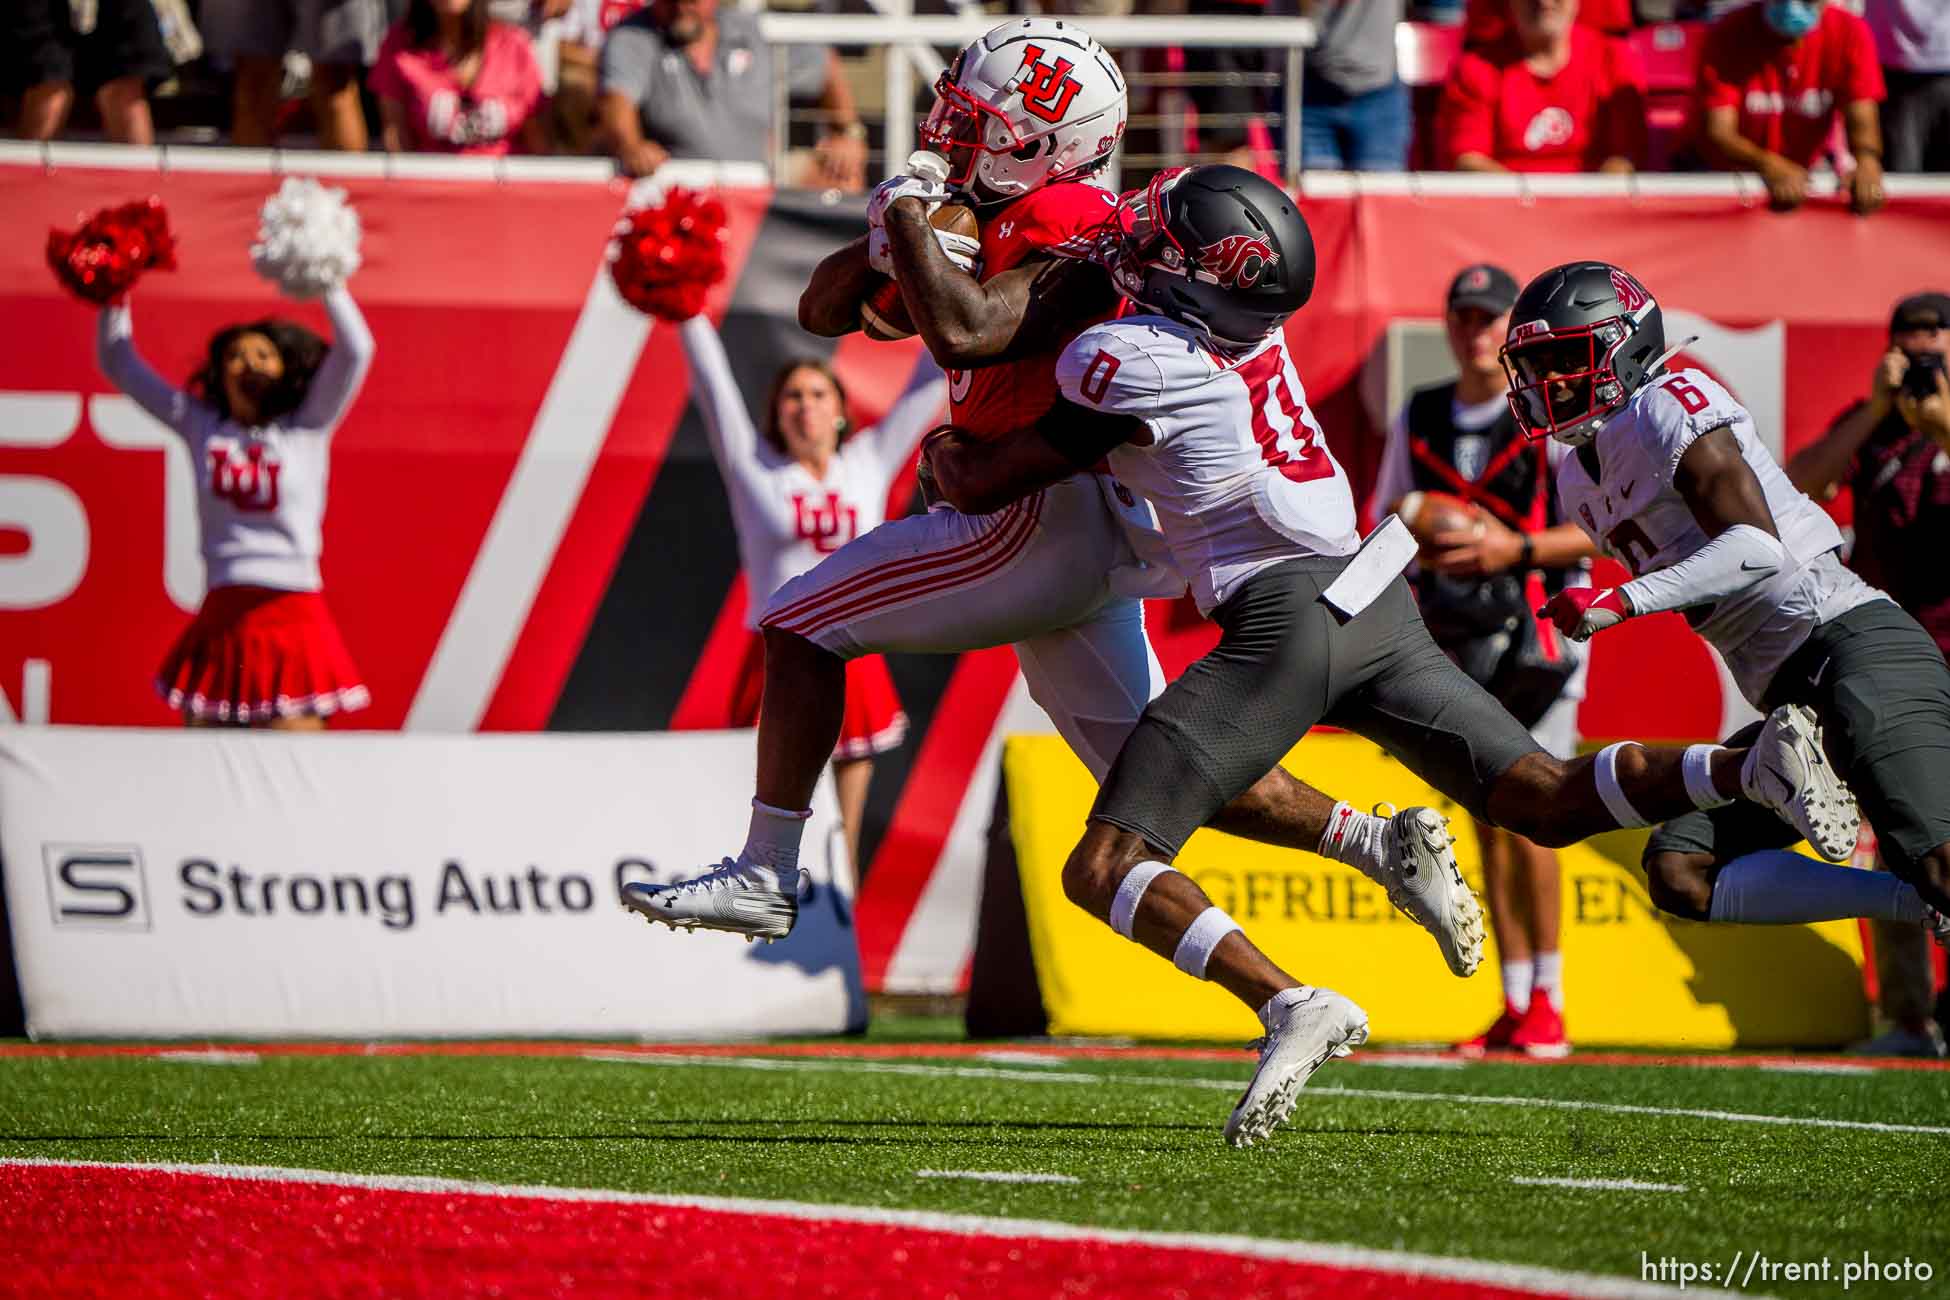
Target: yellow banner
1632,976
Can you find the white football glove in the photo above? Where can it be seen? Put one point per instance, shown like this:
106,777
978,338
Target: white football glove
960,249
924,188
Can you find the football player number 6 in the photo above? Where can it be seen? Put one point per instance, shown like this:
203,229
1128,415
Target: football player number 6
1689,397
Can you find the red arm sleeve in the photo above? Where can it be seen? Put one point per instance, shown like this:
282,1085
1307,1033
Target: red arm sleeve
1621,116
1715,91
1466,120
1863,78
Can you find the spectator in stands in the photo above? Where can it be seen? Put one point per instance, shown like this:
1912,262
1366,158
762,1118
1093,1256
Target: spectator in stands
339,37
1773,78
47,49
1913,41
1478,593
585,25
1355,109
679,79
1552,96
1487,22
449,80
1892,451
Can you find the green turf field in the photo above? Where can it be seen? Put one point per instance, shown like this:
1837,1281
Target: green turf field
1374,1155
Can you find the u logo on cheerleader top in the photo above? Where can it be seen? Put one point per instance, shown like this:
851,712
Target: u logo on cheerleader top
246,478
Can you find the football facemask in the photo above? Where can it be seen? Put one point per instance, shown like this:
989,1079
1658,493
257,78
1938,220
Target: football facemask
1562,383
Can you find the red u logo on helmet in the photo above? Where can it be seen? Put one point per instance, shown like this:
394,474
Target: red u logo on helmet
1047,88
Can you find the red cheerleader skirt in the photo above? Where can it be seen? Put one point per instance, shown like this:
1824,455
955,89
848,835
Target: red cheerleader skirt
254,653
874,722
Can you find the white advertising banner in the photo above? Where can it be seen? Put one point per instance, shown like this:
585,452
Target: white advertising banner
239,884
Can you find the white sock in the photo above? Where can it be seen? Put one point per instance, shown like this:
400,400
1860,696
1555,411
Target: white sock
1516,983
1276,1005
773,840
1548,970
1776,887
1356,839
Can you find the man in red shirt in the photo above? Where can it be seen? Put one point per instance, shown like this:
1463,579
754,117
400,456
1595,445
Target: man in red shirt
1772,79
1552,96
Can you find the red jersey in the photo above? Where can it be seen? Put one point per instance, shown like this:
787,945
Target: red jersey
1053,221
1592,109
1788,92
1486,22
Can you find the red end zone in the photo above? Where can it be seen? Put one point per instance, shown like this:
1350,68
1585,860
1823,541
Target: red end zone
119,1230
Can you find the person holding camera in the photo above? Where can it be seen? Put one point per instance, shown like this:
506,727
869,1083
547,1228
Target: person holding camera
1478,588
1892,451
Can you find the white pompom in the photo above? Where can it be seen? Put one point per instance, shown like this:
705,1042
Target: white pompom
307,239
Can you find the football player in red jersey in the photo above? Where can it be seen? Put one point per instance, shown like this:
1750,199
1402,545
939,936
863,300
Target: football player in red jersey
1023,116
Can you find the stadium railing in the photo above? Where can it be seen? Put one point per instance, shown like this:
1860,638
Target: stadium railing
914,48
697,172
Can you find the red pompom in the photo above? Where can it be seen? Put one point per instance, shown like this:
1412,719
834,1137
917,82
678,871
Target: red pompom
104,258
666,258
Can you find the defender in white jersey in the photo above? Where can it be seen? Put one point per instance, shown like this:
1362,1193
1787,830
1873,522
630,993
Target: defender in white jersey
1199,407
1670,476
258,420
1058,575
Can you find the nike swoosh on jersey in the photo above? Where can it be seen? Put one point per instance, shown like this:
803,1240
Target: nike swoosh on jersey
1748,566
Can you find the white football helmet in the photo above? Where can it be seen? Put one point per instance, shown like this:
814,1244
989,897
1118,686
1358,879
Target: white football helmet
1034,102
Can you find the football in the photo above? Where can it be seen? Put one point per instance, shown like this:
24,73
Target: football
1429,514
883,316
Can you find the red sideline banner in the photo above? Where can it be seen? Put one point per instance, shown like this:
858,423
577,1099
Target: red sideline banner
526,531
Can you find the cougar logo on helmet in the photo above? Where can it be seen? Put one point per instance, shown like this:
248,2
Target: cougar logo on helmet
1631,294
1237,261
1047,88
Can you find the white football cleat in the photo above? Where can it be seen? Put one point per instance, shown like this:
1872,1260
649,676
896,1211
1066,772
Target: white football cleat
1319,1026
1424,882
739,897
1787,771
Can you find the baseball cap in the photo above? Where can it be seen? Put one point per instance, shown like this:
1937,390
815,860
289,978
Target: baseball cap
1488,287
1921,311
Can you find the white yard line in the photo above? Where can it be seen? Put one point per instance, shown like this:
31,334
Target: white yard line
1041,1060
917,1070
1817,1067
1601,1184
211,1056
1546,1281
996,1176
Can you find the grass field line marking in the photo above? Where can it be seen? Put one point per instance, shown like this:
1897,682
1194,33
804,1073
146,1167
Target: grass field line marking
1601,1184
1041,1060
997,1176
918,1070
211,1056
1522,1277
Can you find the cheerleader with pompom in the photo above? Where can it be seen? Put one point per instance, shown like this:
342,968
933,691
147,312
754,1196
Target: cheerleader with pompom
258,416
800,489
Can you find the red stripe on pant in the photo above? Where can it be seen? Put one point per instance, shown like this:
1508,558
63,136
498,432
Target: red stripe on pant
1004,549
859,581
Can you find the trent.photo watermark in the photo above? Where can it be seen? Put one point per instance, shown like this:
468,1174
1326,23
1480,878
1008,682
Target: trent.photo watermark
1751,1268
